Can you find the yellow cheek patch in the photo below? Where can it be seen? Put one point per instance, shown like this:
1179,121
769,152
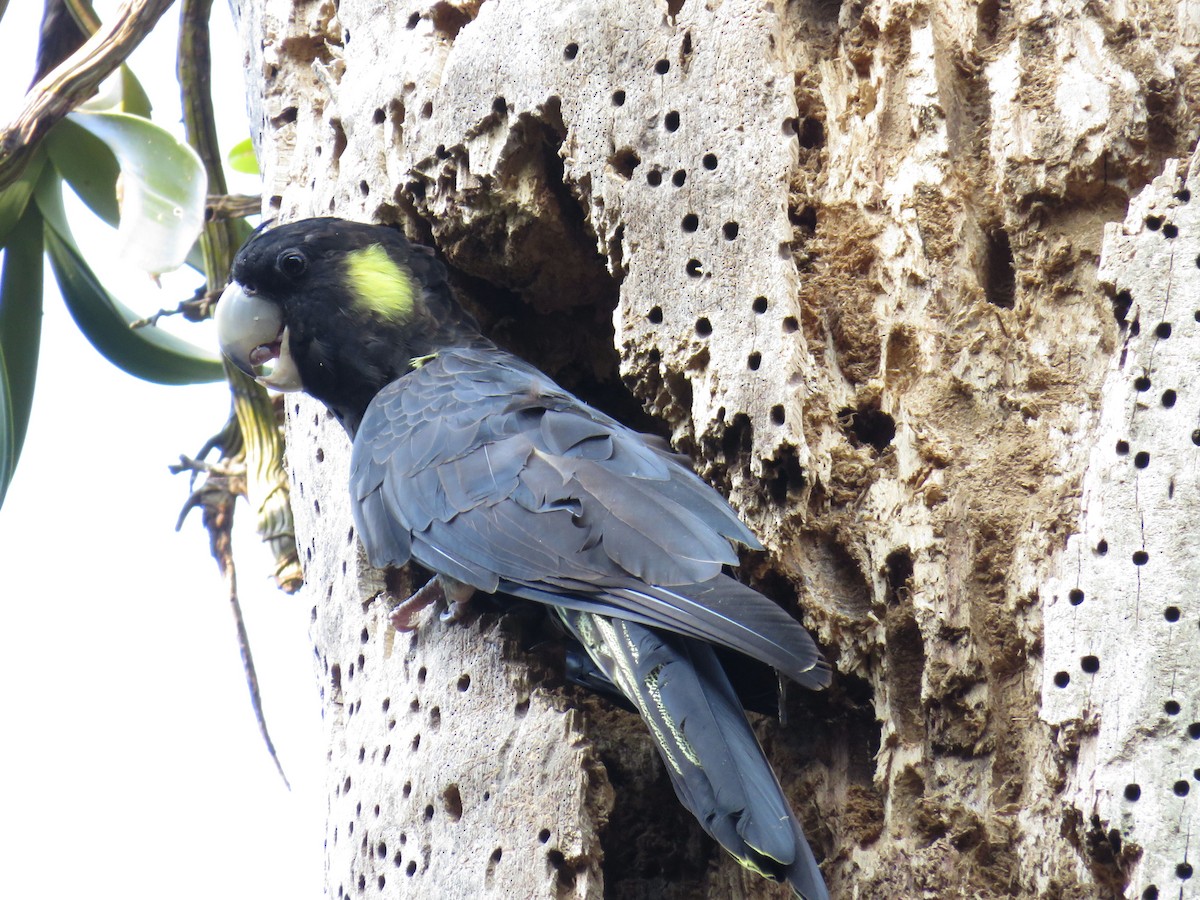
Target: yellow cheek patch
379,285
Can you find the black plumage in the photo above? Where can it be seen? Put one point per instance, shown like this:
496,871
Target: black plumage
478,466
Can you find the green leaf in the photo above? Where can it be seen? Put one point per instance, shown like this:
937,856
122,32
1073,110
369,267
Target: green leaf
243,159
134,99
15,197
48,195
120,92
163,189
148,353
86,163
20,337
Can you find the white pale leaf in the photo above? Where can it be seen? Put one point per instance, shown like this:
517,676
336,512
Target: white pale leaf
162,189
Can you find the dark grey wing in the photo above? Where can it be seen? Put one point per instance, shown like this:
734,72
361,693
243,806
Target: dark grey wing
481,468
715,763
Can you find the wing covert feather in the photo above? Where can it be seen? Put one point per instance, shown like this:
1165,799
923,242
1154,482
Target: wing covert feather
480,467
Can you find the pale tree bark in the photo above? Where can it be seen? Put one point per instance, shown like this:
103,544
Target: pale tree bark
849,258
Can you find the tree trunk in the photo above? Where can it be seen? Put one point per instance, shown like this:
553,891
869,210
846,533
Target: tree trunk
853,260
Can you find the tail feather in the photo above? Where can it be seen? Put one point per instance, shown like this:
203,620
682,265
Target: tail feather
716,765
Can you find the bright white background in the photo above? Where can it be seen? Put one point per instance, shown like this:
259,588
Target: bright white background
130,762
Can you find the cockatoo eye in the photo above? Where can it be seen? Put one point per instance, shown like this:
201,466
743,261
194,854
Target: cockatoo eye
292,263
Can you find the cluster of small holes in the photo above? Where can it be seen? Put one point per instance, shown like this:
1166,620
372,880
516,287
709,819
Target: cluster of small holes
446,806
1152,456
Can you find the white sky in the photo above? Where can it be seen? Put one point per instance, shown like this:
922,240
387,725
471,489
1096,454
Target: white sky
130,760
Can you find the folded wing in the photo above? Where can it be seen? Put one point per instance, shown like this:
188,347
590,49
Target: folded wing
479,467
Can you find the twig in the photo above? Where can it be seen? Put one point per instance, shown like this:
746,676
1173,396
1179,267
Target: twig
231,206
199,466
197,309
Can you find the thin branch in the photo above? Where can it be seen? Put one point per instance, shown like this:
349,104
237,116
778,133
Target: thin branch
200,467
74,81
232,206
218,241
216,498
197,309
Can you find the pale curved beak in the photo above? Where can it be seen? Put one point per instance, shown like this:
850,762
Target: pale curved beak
251,333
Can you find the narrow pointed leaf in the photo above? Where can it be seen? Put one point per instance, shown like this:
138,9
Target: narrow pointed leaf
15,197
20,336
84,14
148,353
163,188
120,92
134,99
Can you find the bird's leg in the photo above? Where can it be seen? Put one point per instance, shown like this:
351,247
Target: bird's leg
456,594
403,616
458,599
